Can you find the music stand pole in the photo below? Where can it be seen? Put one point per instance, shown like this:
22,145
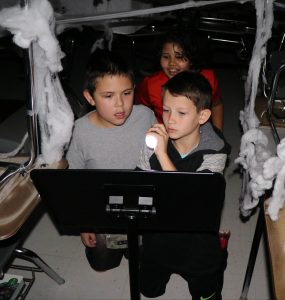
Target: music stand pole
133,253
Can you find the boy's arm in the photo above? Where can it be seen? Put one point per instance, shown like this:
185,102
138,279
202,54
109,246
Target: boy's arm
165,162
145,155
217,115
74,155
214,163
88,239
217,104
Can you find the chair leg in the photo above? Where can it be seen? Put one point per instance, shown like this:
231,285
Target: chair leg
253,254
31,256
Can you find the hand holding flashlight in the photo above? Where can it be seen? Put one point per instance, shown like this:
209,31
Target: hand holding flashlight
151,141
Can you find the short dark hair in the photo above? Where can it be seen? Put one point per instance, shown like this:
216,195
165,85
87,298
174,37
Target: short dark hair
192,85
102,63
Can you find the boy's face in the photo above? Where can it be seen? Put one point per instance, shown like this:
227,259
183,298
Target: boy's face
180,117
172,60
113,98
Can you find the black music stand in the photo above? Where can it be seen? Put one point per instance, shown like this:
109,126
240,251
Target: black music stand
132,202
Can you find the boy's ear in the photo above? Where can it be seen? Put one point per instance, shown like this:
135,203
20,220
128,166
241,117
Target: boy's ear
205,114
89,98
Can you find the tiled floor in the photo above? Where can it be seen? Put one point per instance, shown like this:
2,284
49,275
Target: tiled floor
66,254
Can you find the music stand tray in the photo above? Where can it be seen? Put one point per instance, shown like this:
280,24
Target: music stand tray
132,202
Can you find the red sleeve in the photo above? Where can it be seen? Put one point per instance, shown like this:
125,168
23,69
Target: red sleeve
212,78
142,94
149,93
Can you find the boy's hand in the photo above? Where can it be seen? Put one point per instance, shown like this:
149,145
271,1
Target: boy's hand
161,134
88,239
159,131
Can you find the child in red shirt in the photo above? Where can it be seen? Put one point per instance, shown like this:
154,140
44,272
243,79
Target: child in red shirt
178,54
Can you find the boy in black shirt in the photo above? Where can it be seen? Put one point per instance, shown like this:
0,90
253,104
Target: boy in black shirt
186,142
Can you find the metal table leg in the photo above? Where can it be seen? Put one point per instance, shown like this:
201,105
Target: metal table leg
34,258
253,254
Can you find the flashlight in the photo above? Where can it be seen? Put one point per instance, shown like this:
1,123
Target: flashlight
151,141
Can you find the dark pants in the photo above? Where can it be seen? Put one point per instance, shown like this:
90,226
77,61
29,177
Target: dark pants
102,258
154,278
